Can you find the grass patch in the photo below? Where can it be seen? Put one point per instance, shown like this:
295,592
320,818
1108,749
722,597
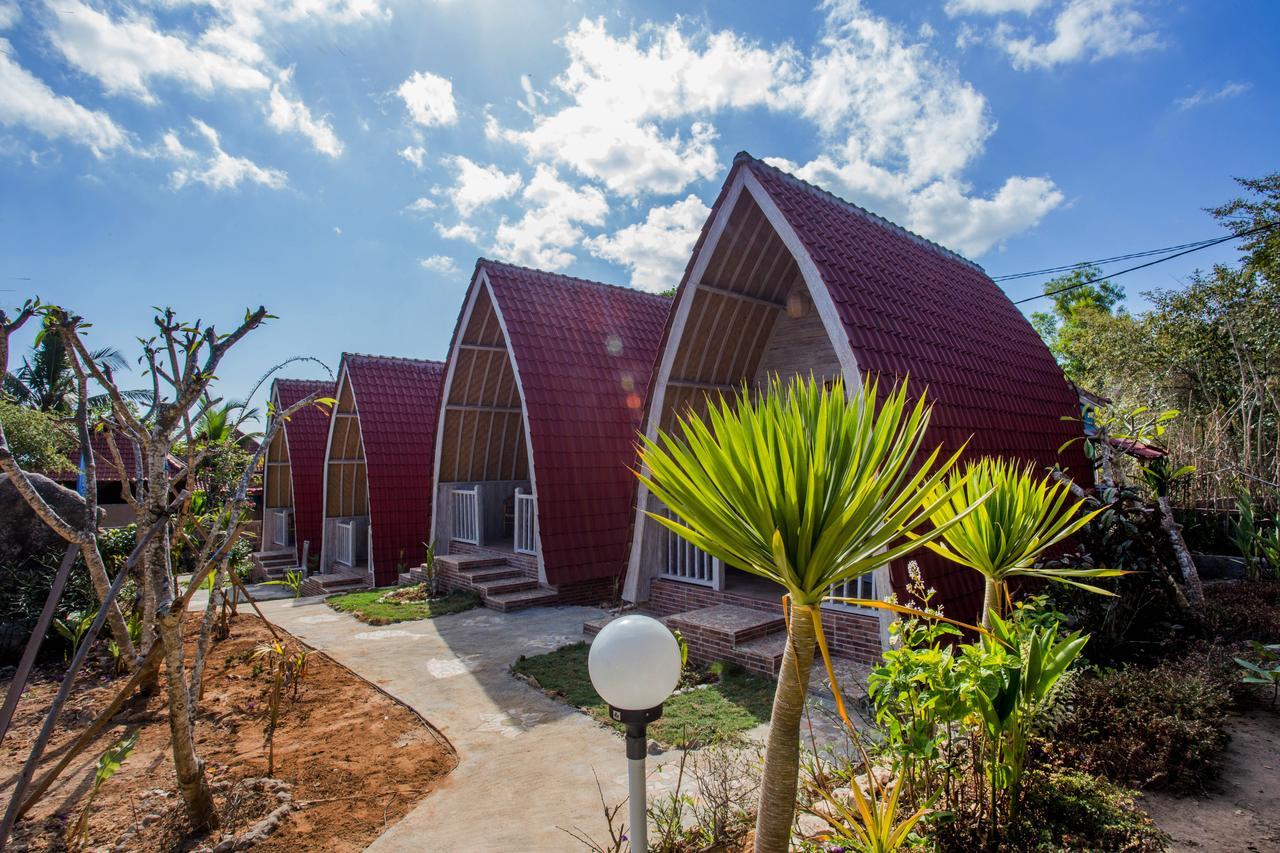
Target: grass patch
721,700
370,606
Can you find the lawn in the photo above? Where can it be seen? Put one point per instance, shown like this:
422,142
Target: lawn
372,607
722,700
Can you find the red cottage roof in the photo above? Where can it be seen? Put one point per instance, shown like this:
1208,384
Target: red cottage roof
912,307
398,401
306,434
584,353
103,458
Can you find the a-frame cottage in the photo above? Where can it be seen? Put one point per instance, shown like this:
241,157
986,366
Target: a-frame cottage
786,278
542,402
377,504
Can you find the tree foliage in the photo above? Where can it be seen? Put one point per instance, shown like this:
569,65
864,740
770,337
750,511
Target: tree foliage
39,441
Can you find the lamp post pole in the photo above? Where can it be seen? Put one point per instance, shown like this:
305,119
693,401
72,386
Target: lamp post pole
634,665
636,723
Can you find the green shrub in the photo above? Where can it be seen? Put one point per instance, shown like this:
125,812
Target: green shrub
1162,727
1240,611
1069,810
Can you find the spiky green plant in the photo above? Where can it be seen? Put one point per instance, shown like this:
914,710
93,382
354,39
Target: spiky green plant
807,487
1002,536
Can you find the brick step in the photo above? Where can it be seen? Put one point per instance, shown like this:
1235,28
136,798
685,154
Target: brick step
334,582
535,597
764,654
728,623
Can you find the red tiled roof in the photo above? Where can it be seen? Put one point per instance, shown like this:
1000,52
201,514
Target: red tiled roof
306,433
911,307
104,460
584,353
398,401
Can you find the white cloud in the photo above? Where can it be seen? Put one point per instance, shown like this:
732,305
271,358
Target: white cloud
25,101
414,154
1208,96
337,230
550,226
478,185
619,91
217,170
657,249
438,263
992,7
126,55
10,14
422,205
285,115
429,98
461,231
1083,30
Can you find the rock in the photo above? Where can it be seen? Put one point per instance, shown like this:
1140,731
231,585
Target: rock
23,533
807,825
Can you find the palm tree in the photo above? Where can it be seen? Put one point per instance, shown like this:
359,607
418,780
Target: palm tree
46,382
808,488
221,424
1004,536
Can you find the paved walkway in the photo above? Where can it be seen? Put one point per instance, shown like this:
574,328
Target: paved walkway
526,762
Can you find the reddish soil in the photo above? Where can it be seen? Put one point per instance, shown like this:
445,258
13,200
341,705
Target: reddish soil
356,760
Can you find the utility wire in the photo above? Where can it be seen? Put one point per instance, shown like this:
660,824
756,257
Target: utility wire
1100,261
1195,247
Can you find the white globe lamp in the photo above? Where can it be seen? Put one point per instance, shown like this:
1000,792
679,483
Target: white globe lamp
634,665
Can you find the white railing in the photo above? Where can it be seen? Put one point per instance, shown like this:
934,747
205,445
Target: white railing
863,587
526,521
280,533
466,515
680,559
344,543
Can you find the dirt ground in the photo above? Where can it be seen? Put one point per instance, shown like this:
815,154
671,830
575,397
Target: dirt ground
355,760
1241,811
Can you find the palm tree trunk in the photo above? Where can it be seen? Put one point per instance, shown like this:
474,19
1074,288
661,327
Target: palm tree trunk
1195,590
990,602
782,753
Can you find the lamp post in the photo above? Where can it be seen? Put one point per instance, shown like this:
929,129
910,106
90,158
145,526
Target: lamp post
634,665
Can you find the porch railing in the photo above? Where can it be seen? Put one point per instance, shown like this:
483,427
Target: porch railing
280,527
681,560
526,520
466,515
344,543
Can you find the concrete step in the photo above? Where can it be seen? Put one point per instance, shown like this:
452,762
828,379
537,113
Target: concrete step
728,623
500,585
519,600
485,574
462,562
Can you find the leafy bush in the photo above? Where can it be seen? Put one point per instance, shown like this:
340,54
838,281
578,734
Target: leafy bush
1240,611
1066,810
1162,727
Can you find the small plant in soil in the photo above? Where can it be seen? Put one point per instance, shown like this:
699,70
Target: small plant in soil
286,664
292,580
108,764
1266,672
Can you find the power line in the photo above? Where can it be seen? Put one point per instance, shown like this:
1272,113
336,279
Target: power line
1195,247
1099,261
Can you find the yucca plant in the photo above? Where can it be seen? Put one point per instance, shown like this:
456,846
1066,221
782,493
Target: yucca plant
1002,536
873,821
806,487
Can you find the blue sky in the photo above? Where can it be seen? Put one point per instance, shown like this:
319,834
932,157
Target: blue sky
344,162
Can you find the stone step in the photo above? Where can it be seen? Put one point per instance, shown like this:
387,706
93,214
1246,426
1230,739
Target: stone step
508,601
728,623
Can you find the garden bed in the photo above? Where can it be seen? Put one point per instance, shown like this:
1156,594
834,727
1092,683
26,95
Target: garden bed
389,605
352,760
716,701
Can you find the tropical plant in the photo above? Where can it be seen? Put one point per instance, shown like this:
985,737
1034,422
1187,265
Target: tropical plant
292,579
109,764
1016,670
38,440
1266,672
287,666
72,628
47,383
806,487
1244,532
430,569
874,822
996,518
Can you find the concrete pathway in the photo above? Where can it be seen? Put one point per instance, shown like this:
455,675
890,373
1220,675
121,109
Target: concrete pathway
526,762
